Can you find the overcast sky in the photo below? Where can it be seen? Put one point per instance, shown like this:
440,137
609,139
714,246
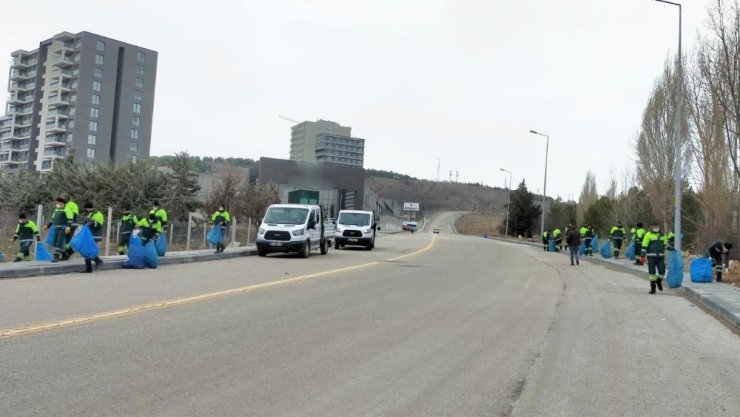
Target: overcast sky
459,81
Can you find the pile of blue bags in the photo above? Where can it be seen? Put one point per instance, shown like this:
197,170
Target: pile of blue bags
631,253
216,236
42,254
675,270
595,244
161,245
84,243
701,270
606,250
581,249
140,256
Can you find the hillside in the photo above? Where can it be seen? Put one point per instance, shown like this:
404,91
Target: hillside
439,196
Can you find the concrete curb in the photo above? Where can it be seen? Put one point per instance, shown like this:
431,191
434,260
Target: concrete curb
725,302
116,262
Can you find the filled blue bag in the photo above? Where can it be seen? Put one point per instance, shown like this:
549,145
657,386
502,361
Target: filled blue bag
581,249
701,270
135,254
606,250
595,244
551,245
630,254
161,245
84,243
42,254
215,235
151,259
51,236
675,269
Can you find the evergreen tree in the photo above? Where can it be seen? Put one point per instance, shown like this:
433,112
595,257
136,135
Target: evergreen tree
523,213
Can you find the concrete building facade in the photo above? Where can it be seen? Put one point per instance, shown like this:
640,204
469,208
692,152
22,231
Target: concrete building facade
328,142
81,94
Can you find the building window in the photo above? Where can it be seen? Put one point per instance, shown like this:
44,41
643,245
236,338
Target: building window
134,134
134,147
95,99
139,83
94,112
136,121
70,138
140,57
98,59
93,126
137,95
98,72
100,46
140,70
137,108
91,153
96,85
92,139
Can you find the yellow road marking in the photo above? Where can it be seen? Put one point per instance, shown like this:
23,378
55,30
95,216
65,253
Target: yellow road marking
40,327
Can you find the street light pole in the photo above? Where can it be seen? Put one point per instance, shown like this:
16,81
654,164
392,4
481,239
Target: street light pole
678,136
508,205
544,188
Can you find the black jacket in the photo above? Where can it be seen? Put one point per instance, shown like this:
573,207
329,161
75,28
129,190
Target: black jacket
573,238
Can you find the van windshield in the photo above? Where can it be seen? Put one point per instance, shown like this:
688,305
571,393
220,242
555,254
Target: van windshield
286,215
354,219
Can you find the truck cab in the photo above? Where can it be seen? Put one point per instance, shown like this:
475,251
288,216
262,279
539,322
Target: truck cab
293,228
355,228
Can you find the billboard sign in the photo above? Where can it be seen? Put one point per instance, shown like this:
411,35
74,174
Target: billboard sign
410,206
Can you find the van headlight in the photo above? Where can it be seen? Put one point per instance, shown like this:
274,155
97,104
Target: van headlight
339,229
299,232
367,231
261,231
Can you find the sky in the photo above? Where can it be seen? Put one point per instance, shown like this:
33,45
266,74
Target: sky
459,82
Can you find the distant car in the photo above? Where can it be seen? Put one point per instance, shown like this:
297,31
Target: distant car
436,230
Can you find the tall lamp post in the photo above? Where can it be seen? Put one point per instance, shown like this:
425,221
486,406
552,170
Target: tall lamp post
508,205
544,188
678,140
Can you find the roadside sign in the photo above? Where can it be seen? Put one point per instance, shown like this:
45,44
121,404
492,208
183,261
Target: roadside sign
410,206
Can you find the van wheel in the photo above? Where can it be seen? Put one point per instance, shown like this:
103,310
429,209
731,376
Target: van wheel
262,253
306,250
325,247
336,245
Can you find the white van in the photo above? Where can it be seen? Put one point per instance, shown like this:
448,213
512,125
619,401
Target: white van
294,228
355,227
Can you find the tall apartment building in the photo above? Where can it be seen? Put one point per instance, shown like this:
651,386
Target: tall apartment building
326,141
78,93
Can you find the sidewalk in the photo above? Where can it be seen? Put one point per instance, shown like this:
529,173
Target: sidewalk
10,270
723,299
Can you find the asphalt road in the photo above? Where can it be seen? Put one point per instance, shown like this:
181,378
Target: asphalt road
457,326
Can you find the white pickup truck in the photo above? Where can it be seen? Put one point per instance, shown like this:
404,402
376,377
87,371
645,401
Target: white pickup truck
355,227
297,228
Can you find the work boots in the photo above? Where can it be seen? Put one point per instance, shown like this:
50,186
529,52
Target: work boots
660,284
652,287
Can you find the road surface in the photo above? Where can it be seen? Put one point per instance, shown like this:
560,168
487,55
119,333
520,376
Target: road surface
420,326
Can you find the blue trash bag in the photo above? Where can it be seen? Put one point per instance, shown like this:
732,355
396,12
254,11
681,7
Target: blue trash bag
630,254
675,269
606,250
161,245
42,254
701,270
84,243
551,245
595,244
135,254
51,236
151,259
581,249
215,235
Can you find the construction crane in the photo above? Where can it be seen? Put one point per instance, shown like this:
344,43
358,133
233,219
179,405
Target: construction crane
289,119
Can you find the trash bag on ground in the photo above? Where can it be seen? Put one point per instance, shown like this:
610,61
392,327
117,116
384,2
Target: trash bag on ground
606,250
161,245
84,243
51,236
595,244
151,259
135,254
215,235
701,270
42,254
675,269
630,253
551,245
581,249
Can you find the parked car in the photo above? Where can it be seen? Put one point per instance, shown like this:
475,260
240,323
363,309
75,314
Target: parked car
294,228
410,226
356,228
436,229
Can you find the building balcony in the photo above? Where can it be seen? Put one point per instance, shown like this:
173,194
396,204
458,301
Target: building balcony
54,153
60,113
23,63
58,101
25,87
22,76
55,141
55,128
62,61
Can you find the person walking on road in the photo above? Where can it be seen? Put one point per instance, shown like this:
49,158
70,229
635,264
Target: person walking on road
617,235
654,245
26,231
221,218
719,252
573,239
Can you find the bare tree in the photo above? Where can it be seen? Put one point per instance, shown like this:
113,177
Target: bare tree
589,196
